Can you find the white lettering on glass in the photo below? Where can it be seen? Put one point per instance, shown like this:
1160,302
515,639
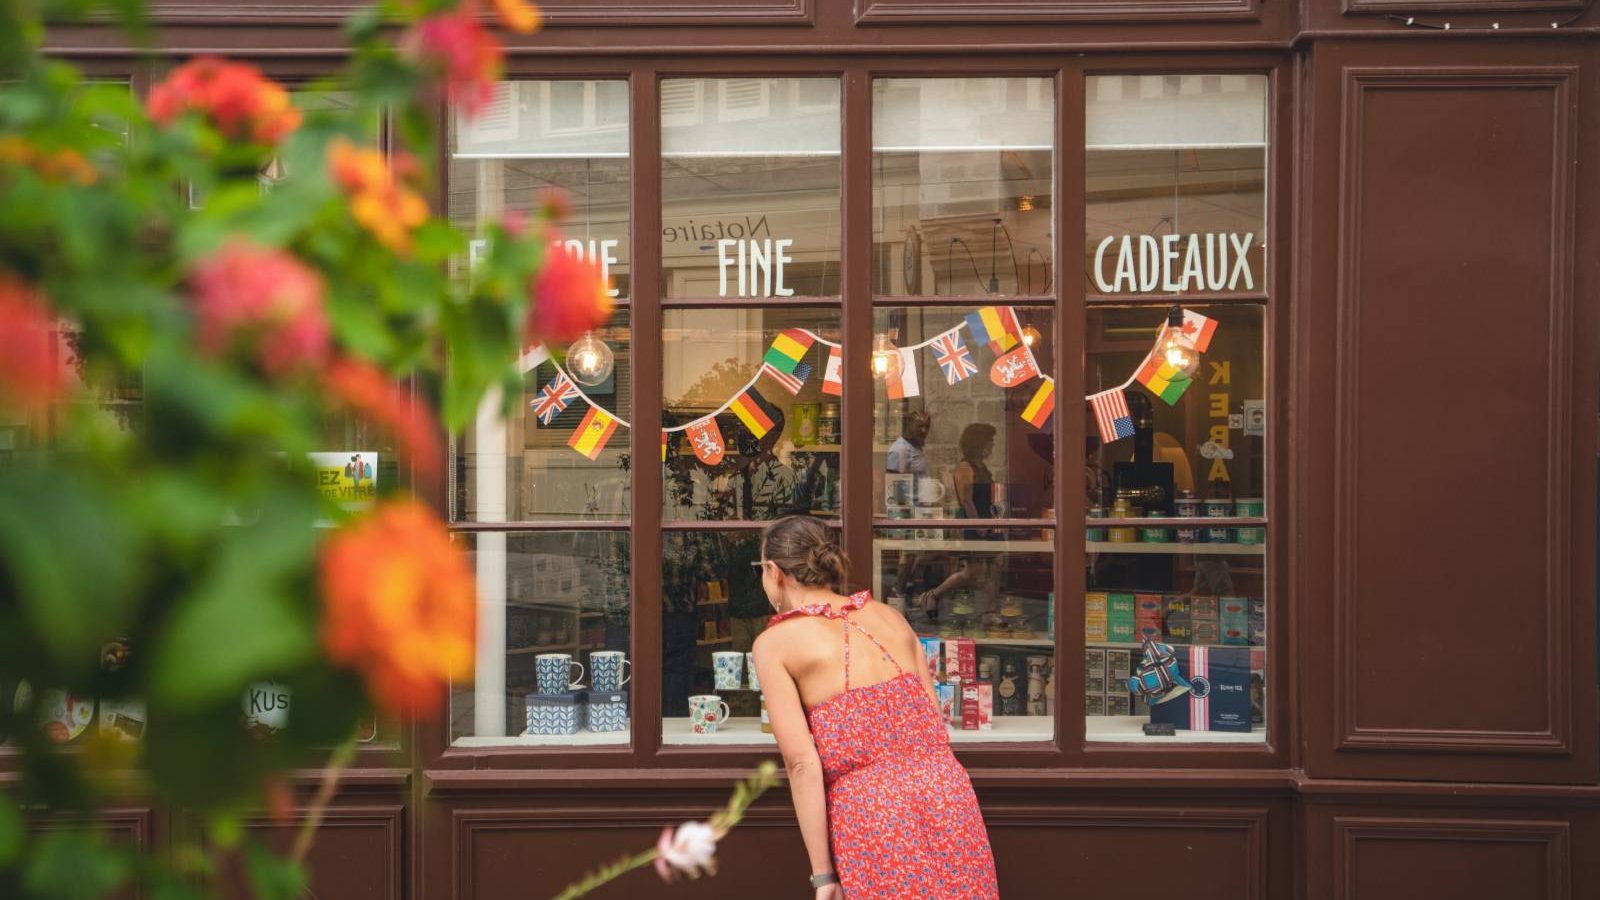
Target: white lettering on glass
758,266
602,250
1174,263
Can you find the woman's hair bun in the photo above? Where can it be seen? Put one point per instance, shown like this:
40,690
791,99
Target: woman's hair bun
805,549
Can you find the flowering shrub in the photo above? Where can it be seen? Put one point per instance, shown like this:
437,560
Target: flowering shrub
196,291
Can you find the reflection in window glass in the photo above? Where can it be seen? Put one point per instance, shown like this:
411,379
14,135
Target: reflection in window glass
1176,183
1193,452
754,429
950,442
540,136
980,599
962,177
542,597
525,468
750,187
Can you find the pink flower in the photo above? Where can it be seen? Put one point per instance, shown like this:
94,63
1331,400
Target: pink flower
465,53
691,851
266,299
569,297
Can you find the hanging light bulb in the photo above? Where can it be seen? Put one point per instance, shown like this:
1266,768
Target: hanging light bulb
885,358
1178,354
1031,336
590,360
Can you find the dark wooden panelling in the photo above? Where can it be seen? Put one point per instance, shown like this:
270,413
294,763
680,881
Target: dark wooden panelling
996,11
135,826
356,854
1379,858
1409,7
1447,615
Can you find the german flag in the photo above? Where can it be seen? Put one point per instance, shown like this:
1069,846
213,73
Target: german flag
592,435
1038,410
752,412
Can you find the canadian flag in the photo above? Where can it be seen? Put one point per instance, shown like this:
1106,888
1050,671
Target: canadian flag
832,375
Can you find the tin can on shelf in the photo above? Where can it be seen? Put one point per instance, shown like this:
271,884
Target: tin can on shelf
1123,510
1189,534
1219,508
1250,508
806,424
1187,505
828,424
1095,534
1150,534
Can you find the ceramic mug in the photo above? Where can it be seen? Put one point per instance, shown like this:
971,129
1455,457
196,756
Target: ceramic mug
750,670
608,670
707,712
553,672
929,492
728,667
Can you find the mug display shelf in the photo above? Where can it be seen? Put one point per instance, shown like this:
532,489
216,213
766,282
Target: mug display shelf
999,545
1176,548
745,731
713,642
584,738
569,646
1130,730
1139,645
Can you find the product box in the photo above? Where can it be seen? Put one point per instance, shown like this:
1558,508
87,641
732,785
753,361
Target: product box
1119,704
1096,630
1094,704
1094,683
1140,705
1220,697
1095,602
1257,622
1120,631
949,701
1148,606
969,706
1203,605
1094,660
1119,665
1234,621
1120,617
1120,605
1177,604
961,659
1178,628
1205,621
985,706
1206,634
930,654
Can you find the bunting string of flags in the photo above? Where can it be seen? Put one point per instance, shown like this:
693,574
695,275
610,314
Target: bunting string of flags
785,363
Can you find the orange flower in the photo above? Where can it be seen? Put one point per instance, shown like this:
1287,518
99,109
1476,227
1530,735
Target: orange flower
265,297
237,98
31,373
469,57
399,606
362,388
379,201
65,164
519,15
568,298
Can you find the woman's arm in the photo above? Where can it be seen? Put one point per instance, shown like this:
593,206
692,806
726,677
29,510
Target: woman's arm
789,726
963,477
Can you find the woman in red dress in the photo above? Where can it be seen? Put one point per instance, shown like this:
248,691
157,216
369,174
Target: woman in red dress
885,810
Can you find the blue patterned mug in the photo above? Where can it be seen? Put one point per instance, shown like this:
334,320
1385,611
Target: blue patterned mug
728,667
553,672
750,670
608,670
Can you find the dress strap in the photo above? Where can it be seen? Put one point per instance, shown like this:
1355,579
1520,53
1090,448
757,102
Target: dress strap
849,624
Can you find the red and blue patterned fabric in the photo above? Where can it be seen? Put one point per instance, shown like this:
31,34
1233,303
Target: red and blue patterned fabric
901,813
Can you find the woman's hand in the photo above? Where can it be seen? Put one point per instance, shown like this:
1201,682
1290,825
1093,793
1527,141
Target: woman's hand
830,892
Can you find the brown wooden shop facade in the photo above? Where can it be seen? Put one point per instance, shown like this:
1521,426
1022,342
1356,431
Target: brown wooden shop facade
1430,297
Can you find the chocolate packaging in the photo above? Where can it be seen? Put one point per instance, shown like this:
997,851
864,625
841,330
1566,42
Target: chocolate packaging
961,659
1234,621
1219,699
977,706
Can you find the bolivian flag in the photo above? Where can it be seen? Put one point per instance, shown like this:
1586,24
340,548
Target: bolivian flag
1038,410
593,433
750,411
788,349
1163,380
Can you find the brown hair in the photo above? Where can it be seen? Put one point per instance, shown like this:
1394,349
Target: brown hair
805,550
973,439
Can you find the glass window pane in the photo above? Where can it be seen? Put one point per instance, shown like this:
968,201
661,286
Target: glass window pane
962,186
740,444
964,450
538,136
543,596
750,187
1176,182
1198,588
988,594
525,467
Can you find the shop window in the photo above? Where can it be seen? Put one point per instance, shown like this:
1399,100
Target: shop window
1176,609
750,190
554,619
962,187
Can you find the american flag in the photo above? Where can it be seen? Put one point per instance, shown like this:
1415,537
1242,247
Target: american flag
953,357
1111,414
791,382
554,398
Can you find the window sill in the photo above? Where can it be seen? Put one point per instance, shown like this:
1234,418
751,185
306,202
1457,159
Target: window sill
581,739
1130,730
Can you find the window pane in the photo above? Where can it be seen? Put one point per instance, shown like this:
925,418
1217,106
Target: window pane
750,187
562,593
1201,589
962,186
989,594
525,467
538,136
1176,182
963,450
741,446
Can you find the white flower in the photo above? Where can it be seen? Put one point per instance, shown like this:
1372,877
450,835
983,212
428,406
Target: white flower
689,851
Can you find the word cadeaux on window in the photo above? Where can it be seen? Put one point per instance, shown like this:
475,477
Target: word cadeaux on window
1174,262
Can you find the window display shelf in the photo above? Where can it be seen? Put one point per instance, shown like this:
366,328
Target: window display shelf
1196,549
713,642
1130,730
581,739
995,546
1137,645
737,731
1008,729
1018,640
554,648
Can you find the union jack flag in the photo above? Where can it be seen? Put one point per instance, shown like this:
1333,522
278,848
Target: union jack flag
554,398
953,356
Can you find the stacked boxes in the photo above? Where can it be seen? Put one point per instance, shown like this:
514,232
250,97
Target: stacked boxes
1256,622
1119,618
1177,623
1148,611
1095,623
1205,621
1105,678
965,702
1234,621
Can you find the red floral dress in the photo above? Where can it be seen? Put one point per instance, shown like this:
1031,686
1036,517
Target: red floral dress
901,813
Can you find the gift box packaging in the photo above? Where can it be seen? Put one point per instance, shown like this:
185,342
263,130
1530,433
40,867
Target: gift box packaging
1148,606
1094,704
1120,631
1096,629
985,706
1178,628
949,702
1094,661
1234,621
972,705
606,711
1119,665
961,659
1094,683
1220,696
1176,605
1257,622
555,713
1120,605
1119,704
930,654
1095,602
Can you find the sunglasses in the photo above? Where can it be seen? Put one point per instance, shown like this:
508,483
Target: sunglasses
760,564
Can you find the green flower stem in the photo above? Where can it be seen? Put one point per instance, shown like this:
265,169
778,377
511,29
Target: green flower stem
607,873
343,756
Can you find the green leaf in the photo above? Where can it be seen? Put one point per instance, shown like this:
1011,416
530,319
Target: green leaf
230,632
74,865
11,832
274,877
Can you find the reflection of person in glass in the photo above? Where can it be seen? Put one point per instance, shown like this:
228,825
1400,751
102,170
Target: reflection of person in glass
884,807
906,455
974,485
907,458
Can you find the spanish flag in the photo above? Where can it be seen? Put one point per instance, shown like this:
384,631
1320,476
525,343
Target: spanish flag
1163,379
593,433
1038,410
749,410
787,349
